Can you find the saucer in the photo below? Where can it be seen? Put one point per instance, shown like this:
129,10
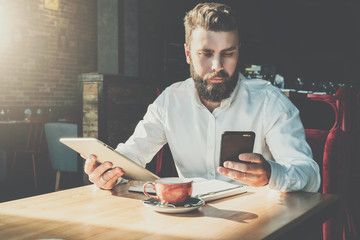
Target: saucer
190,205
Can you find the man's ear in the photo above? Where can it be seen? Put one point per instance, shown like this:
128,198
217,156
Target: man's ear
187,53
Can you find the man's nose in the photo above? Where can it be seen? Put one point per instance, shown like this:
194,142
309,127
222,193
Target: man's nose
217,65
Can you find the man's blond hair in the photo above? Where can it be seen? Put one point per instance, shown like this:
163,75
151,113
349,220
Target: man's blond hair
210,16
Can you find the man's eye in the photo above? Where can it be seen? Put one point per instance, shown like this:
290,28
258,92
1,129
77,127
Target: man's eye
206,54
228,53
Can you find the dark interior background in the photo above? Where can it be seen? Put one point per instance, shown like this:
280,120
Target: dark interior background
318,41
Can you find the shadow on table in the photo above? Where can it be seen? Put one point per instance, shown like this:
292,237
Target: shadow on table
214,212
206,211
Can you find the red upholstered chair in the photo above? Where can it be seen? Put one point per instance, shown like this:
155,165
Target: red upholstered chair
334,150
355,179
316,138
35,146
164,163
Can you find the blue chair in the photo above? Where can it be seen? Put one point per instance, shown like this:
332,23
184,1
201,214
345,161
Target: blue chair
62,158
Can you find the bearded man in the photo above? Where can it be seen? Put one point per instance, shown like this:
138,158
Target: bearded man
192,115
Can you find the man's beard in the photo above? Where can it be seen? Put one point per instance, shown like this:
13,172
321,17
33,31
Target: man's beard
214,92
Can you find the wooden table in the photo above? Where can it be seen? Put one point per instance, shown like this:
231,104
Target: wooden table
90,213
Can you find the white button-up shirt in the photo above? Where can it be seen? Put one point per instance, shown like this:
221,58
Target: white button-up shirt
177,117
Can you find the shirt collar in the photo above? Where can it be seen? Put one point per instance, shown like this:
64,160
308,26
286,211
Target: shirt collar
225,103
195,95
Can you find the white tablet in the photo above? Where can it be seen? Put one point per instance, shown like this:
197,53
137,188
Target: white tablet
105,153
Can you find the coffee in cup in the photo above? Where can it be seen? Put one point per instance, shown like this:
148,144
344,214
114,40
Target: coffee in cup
171,190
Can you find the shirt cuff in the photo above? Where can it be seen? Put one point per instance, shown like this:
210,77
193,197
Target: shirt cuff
277,176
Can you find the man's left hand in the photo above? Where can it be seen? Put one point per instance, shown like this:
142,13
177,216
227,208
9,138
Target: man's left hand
254,170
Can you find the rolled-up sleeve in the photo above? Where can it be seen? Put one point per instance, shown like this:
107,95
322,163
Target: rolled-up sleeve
148,136
293,168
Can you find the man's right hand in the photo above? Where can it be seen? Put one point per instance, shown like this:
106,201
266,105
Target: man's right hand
102,175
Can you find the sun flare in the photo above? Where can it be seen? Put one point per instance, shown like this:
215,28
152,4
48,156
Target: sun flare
5,27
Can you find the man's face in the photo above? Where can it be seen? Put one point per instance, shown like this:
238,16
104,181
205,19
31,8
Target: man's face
213,58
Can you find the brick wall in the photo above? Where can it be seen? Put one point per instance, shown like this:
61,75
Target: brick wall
42,51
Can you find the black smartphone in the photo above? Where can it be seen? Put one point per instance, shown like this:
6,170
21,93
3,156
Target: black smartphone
233,143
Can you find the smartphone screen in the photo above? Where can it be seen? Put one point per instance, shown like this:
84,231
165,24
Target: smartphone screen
233,143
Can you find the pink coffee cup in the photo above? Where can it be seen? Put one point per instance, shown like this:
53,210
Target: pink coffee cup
170,190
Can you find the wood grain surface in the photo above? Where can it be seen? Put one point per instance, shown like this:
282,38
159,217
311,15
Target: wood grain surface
91,213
